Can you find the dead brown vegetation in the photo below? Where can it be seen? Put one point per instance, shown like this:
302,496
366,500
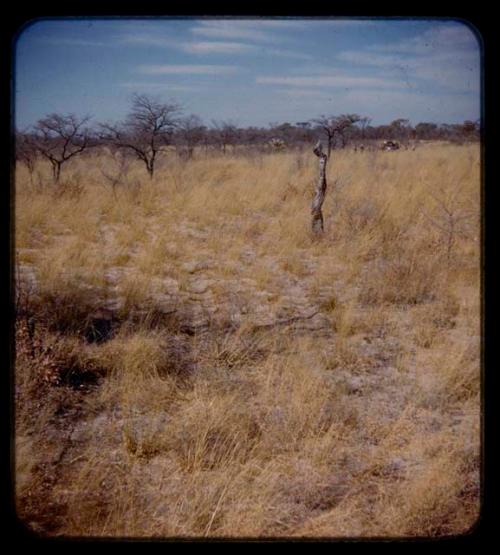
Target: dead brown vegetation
191,362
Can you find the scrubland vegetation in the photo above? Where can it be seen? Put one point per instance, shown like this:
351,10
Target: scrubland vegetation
191,361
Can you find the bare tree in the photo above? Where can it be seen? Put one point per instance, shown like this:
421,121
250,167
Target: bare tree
328,126
192,132
146,132
336,126
451,219
226,132
26,152
58,138
116,175
364,122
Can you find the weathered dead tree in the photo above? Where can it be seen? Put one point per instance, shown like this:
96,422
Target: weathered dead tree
319,197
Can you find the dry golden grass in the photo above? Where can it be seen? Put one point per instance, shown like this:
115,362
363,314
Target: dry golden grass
205,409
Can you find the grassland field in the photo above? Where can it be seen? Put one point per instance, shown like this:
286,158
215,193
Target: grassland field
192,362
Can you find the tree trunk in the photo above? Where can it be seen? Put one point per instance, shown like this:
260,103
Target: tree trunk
319,197
56,171
330,143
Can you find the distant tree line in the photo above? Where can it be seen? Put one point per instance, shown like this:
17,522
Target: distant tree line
152,127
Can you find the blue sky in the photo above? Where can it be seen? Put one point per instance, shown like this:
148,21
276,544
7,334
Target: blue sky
252,72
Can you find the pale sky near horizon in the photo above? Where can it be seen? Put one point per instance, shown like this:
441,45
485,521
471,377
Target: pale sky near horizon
250,71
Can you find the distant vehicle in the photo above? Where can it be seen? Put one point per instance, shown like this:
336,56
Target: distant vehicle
390,145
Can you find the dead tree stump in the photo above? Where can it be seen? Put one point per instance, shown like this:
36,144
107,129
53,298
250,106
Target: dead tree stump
319,197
